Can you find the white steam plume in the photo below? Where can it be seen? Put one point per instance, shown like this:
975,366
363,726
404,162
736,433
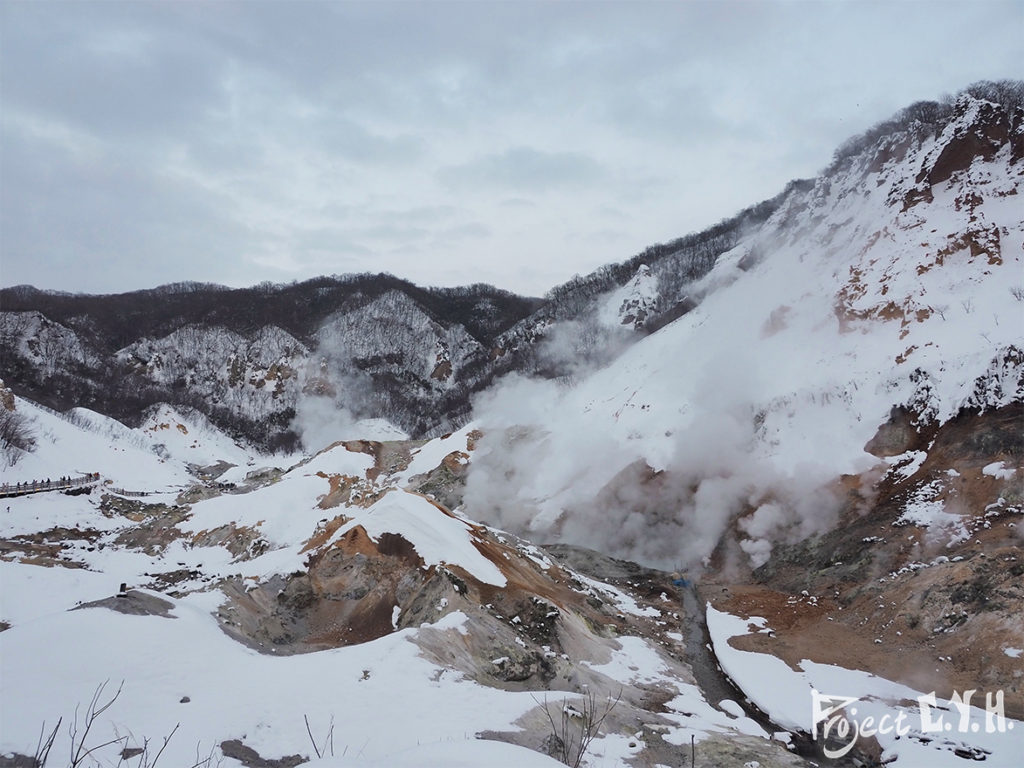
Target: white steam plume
553,466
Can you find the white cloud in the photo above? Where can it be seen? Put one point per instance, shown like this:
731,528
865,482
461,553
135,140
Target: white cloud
215,142
524,169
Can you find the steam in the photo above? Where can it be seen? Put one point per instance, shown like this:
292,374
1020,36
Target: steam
334,399
574,348
321,420
661,490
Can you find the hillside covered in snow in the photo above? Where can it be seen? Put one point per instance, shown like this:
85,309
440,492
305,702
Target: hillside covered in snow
891,287
671,503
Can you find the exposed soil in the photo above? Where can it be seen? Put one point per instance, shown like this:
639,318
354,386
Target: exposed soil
933,608
250,758
53,547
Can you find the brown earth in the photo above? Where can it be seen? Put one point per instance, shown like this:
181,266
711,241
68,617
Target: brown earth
932,608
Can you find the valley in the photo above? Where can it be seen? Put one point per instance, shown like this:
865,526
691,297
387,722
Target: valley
754,497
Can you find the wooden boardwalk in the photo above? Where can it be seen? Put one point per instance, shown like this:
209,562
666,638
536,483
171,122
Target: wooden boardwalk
41,486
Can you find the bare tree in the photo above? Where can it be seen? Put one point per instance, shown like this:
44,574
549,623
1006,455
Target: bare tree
16,436
82,725
576,728
146,763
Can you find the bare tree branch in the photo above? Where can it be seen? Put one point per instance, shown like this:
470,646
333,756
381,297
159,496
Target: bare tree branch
45,744
577,728
93,711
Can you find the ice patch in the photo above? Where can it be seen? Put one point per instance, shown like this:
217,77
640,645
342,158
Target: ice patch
998,470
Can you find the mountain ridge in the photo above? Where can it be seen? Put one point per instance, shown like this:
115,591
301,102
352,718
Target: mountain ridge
422,373
814,420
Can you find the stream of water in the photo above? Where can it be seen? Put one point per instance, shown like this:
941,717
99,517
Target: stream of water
717,686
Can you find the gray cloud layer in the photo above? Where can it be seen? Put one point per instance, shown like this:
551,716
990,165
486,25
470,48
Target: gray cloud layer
524,169
516,143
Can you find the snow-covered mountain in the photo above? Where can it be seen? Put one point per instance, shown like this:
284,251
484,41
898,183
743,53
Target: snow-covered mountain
375,346
831,438
894,281
381,347
813,413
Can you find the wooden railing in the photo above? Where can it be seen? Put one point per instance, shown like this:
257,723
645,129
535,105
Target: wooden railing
38,486
123,492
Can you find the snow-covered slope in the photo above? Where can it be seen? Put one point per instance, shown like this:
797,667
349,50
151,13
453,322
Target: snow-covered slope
415,344
83,441
382,698
886,284
838,384
246,377
634,302
191,438
784,692
431,629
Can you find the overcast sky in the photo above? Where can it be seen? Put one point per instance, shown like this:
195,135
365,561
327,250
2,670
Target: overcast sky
448,143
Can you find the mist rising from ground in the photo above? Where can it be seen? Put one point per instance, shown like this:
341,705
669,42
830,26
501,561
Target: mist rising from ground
554,466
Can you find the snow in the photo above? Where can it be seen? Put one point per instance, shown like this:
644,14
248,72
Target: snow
278,510
786,368
429,455
44,591
234,692
635,661
378,429
246,375
906,464
765,680
772,383
192,439
696,717
338,460
437,537
621,306
451,753
622,601
96,443
998,470
732,708
455,620
925,510
784,693
420,342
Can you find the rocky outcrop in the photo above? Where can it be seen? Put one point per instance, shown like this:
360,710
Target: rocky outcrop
924,564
